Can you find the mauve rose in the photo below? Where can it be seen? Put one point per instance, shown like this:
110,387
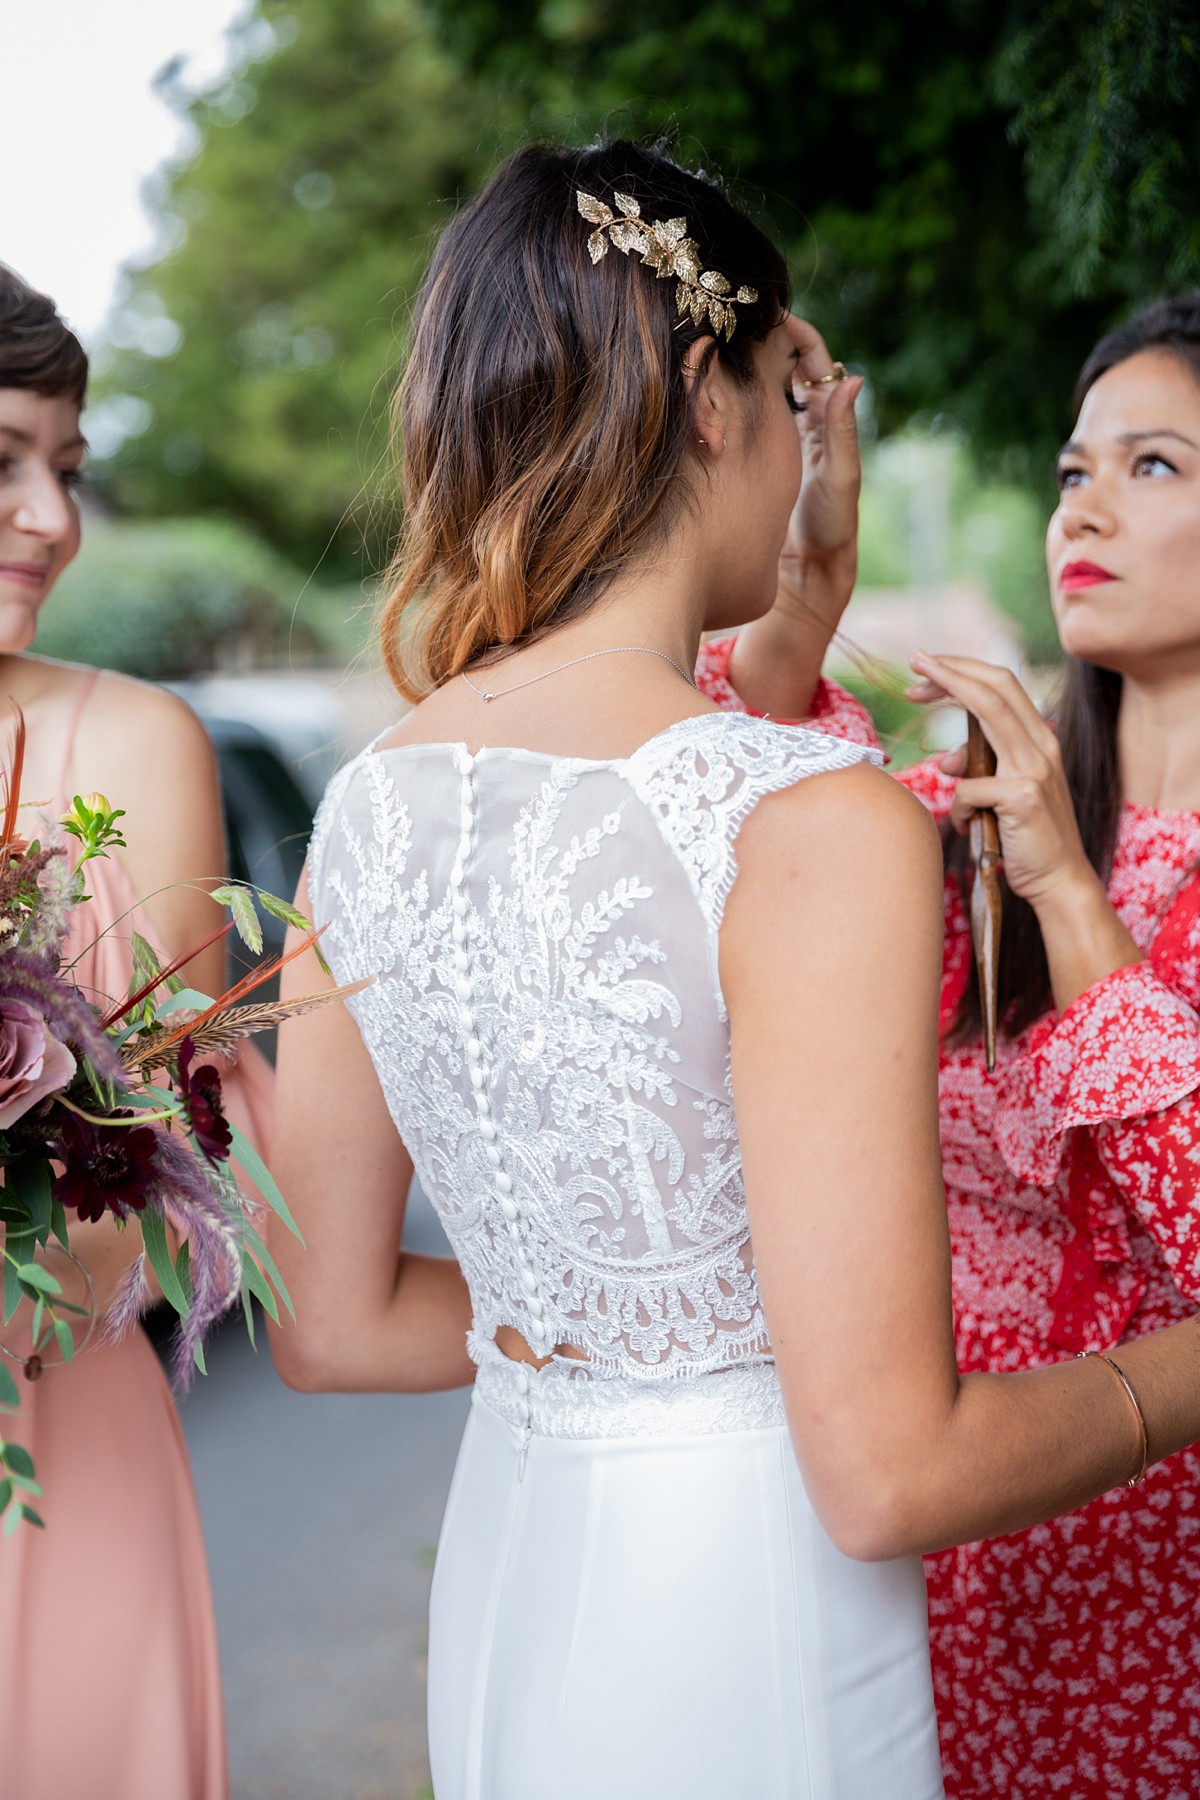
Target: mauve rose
32,1063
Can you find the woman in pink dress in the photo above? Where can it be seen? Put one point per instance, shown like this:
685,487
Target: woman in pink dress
111,1686
1067,1657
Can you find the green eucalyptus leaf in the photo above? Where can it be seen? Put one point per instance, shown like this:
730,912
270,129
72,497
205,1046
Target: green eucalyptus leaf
19,1246
32,1518
254,1280
8,1387
58,1222
33,1275
154,1236
253,1243
6,1493
247,1158
18,1459
28,1179
12,1514
66,1339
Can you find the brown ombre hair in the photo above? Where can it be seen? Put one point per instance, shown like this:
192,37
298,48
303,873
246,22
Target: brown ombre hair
543,415
37,349
1086,719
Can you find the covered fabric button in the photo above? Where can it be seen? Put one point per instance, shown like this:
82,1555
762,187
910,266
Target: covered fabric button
535,1306
537,1328
508,1208
463,988
456,875
482,1103
458,932
459,903
474,1049
462,961
487,1129
493,1156
503,1183
476,1078
522,1381
529,1281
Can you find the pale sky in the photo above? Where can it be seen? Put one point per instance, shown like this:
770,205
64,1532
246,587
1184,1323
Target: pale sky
83,129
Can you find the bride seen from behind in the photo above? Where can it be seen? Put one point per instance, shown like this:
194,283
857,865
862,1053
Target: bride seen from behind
654,1016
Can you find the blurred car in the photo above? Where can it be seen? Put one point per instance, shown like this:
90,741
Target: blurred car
267,819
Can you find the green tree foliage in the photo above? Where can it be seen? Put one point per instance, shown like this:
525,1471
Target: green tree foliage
300,229
166,599
970,192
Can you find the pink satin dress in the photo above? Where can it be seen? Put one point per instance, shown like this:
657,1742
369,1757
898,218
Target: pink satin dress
111,1688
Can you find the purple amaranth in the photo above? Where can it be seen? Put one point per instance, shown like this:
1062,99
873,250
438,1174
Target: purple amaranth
24,976
186,1193
129,1302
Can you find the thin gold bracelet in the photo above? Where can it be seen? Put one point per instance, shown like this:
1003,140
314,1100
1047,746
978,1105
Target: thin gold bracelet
1125,1382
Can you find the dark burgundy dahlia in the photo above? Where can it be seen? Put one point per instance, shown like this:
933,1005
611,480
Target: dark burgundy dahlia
107,1168
200,1091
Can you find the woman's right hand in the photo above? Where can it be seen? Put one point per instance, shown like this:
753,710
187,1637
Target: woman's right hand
777,660
823,532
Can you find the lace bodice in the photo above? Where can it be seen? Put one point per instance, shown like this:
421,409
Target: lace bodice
547,1023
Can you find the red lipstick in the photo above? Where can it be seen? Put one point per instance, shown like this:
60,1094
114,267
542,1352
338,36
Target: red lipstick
1078,575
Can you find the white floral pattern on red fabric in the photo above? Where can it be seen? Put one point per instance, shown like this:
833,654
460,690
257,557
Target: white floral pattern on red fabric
1067,1658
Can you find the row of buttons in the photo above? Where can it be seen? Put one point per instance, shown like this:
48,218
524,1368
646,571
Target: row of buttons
464,990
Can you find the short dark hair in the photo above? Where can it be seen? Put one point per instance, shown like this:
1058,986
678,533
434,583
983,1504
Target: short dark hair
38,349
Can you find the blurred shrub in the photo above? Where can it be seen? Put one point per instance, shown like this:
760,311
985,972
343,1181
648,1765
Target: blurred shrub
183,597
901,725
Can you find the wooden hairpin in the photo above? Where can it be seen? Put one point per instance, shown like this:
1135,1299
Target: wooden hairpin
986,901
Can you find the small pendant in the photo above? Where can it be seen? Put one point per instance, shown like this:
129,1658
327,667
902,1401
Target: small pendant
488,697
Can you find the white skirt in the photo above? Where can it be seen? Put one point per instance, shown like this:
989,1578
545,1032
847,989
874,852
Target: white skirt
634,1600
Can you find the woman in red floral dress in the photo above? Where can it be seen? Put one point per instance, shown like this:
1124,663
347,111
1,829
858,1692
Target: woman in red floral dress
1067,1657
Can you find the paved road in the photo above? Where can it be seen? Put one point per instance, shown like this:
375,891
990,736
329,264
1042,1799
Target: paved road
321,1513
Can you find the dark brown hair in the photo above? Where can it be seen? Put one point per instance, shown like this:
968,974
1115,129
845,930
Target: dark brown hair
543,416
1086,718
38,350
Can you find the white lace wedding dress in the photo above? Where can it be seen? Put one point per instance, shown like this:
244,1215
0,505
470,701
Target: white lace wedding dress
633,1599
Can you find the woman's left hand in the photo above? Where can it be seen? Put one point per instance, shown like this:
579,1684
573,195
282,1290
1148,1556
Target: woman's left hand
1039,834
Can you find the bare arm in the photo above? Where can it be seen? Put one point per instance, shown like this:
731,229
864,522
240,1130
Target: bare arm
369,1316
831,977
149,753
777,659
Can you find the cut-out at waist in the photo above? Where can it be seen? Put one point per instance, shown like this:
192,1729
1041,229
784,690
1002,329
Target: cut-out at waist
574,1399
511,1344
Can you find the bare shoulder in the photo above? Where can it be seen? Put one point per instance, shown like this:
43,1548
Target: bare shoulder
132,734
848,821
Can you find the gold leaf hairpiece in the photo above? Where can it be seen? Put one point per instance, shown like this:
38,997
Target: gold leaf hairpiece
665,247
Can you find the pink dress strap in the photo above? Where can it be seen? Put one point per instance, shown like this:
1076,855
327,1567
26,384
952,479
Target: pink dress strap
84,694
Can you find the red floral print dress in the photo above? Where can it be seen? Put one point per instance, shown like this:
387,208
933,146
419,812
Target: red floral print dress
1066,1658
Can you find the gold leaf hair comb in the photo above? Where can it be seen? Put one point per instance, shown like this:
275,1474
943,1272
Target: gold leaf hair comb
666,248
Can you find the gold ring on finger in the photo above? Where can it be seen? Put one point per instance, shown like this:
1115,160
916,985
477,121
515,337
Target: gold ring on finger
839,374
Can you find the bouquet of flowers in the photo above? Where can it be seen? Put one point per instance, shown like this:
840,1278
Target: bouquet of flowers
112,1108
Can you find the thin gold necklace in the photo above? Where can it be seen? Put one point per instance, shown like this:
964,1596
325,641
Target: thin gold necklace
617,650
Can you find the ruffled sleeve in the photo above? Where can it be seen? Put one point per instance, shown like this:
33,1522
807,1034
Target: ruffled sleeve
834,710
1121,1067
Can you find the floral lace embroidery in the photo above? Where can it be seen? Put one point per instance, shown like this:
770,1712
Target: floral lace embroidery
581,1060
